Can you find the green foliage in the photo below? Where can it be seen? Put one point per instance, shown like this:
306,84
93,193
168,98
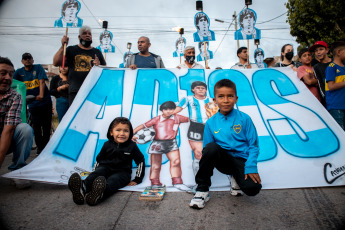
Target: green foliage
315,20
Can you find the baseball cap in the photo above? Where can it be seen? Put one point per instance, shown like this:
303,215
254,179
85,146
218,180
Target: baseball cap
317,44
26,56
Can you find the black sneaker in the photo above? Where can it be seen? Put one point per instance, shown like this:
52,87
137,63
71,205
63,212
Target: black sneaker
75,184
98,187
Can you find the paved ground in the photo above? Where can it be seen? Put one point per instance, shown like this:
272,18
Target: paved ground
45,206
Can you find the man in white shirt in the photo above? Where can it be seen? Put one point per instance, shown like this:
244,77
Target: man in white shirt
189,63
243,60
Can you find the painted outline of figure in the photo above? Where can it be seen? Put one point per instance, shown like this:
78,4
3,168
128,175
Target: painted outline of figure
164,142
105,39
69,12
201,56
180,44
247,19
259,57
125,57
200,110
202,23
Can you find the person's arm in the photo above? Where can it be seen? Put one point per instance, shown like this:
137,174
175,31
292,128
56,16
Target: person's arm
161,63
5,141
309,79
58,57
53,88
42,77
335,86
40,96
208,137
177,110
140,161
331,74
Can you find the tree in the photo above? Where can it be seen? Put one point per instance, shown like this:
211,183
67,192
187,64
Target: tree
316,20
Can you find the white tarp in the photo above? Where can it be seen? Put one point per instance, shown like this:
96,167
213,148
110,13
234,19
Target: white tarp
300,143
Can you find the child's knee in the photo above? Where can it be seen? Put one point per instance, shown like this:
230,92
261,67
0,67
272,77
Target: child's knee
211,149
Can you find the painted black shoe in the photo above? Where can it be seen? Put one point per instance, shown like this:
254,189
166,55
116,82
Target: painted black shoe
75,184
98,187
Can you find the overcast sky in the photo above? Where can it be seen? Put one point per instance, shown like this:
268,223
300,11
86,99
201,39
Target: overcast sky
28,26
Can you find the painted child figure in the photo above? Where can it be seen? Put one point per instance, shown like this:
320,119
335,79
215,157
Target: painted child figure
164,142
113,167
198,117
230,145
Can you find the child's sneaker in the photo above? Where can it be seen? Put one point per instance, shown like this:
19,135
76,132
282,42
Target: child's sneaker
75,184
199,200
98,187
234,188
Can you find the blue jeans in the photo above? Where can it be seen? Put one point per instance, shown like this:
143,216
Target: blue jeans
21,145
62,104
339,116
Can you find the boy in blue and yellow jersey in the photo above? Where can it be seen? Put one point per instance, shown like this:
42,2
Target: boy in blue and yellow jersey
230,145
335,84
40,109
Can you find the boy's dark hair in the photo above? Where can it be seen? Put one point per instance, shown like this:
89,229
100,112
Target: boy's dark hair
5,60
336,45
283,50
167,105
115,122
240,50
302,51
224,83
198,83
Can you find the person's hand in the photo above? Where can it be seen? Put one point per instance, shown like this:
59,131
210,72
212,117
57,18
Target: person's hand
96,61
134,138
254,176
132,183
178,67
39,98
133,66
63,87
208,67
249,66
64,40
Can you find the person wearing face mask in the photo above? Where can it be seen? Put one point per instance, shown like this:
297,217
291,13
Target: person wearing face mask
189,63
286,58
79,60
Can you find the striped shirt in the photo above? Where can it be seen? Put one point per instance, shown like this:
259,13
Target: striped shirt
196,107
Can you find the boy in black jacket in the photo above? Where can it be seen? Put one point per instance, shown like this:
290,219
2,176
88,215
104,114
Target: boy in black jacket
114,166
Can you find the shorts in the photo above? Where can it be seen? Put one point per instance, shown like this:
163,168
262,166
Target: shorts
163,146
196,131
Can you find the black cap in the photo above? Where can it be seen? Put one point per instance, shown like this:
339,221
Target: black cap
26,56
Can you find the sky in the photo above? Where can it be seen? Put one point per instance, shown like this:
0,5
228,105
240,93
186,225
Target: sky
28,26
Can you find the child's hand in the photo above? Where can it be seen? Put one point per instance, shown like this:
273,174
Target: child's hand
254,176
132,183
134,139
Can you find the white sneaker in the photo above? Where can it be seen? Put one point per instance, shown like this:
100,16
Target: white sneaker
199,200
21,184
234,188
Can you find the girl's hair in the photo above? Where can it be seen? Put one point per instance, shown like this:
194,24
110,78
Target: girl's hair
115,122
283,50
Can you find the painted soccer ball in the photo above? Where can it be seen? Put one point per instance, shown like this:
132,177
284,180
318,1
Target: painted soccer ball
145,135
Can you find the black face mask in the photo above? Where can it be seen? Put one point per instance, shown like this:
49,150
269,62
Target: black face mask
85,43
289,55
190,59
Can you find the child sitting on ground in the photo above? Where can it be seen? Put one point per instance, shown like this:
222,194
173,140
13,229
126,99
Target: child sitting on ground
306,73
114,166
230,145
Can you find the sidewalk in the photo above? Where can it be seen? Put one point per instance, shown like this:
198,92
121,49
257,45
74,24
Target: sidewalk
46,206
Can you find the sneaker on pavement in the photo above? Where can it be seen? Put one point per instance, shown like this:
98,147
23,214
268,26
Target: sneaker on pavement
75,184
21,184
199,200
234,188
98,187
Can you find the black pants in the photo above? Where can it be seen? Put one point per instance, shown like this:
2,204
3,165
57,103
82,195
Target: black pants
41,118
213,156
115,180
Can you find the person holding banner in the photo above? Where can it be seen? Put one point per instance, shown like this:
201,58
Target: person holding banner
189,63
79,59
243,60
286,58
230,144
70,9
144,59
15,136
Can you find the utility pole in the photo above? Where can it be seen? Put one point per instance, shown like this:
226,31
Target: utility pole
235,19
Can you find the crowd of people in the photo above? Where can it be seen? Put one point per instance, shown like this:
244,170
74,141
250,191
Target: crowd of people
324,77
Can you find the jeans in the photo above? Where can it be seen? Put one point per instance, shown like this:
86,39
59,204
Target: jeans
339,116
62,105
21,145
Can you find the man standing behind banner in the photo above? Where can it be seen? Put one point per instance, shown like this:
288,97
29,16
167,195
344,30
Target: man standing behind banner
144,59
243,60
79,59
189,63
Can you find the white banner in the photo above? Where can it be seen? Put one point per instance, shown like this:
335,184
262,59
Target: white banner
300,143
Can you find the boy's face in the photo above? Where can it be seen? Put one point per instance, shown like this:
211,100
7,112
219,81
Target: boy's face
226,99
321,52
199,91
167,112
341,53
306,58
120,133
